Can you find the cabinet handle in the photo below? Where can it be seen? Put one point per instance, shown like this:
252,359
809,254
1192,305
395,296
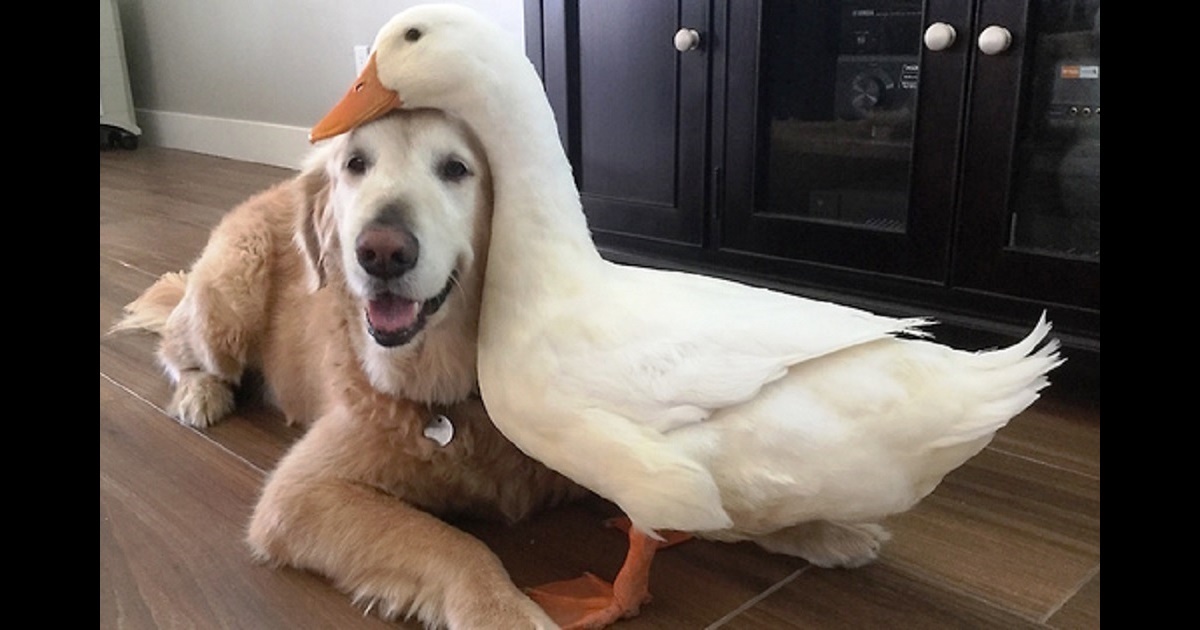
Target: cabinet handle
940,36
687,39
994,40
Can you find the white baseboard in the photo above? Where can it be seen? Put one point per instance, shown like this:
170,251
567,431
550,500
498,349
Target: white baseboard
264,143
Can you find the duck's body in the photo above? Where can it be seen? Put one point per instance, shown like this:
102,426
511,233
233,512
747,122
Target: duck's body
693,403
731,412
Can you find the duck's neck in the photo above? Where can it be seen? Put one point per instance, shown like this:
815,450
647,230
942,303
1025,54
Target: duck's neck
538,225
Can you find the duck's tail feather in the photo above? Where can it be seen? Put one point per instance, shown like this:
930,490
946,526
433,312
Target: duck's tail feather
151,309
1013,378
914,327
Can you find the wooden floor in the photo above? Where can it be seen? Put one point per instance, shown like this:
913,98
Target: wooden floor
1011,540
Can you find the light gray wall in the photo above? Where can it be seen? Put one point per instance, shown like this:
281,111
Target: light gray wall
276,62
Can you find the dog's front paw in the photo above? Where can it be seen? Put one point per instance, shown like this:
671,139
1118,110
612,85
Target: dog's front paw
201,399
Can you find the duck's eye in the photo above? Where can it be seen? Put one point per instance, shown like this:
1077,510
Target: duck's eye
357,164
412,34
453,169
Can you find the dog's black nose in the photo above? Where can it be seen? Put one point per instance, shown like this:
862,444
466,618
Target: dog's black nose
386,251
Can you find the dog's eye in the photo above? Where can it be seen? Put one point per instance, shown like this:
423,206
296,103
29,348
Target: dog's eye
357,164
453,169
412,34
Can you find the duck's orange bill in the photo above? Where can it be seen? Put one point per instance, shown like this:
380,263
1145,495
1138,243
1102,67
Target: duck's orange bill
366,100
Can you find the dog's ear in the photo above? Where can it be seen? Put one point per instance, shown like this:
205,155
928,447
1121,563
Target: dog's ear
314,230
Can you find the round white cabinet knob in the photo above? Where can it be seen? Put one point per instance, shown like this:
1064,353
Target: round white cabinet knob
940,36
687,39
994,40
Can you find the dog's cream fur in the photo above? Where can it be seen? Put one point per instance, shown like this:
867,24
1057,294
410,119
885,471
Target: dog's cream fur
277,290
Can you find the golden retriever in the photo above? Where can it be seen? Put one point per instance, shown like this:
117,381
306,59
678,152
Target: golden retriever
354,289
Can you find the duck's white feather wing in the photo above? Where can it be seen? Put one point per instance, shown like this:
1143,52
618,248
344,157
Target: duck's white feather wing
666,349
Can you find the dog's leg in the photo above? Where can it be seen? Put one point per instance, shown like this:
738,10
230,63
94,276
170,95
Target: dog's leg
208,338
319,512
203,351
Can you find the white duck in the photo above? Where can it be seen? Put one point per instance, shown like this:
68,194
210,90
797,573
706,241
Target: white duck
693,403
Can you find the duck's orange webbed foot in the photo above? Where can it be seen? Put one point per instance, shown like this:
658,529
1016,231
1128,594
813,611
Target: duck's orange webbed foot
590,602
585,602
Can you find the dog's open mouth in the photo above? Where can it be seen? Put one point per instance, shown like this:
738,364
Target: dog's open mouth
393,320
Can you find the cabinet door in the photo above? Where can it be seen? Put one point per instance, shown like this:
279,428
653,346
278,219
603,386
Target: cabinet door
841,132
1031,186
633,111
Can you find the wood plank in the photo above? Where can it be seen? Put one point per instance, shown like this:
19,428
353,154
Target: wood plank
1032,498
128,358
215,182
1082,611
173,247
1015,533
173,508
876,596
119,284
1058,431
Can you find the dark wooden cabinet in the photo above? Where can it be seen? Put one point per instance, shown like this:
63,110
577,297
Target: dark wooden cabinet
841,149
639,154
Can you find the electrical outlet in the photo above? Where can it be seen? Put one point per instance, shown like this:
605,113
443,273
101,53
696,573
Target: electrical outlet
361,53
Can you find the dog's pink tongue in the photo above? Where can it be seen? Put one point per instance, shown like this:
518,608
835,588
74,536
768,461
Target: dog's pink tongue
391,313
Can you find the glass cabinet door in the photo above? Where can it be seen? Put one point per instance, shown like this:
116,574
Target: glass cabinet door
826,101
837,101
1056,203
1035,111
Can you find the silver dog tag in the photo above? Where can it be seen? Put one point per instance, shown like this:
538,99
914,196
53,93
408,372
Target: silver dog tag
440,430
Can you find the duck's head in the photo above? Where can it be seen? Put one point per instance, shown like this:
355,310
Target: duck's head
432,56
